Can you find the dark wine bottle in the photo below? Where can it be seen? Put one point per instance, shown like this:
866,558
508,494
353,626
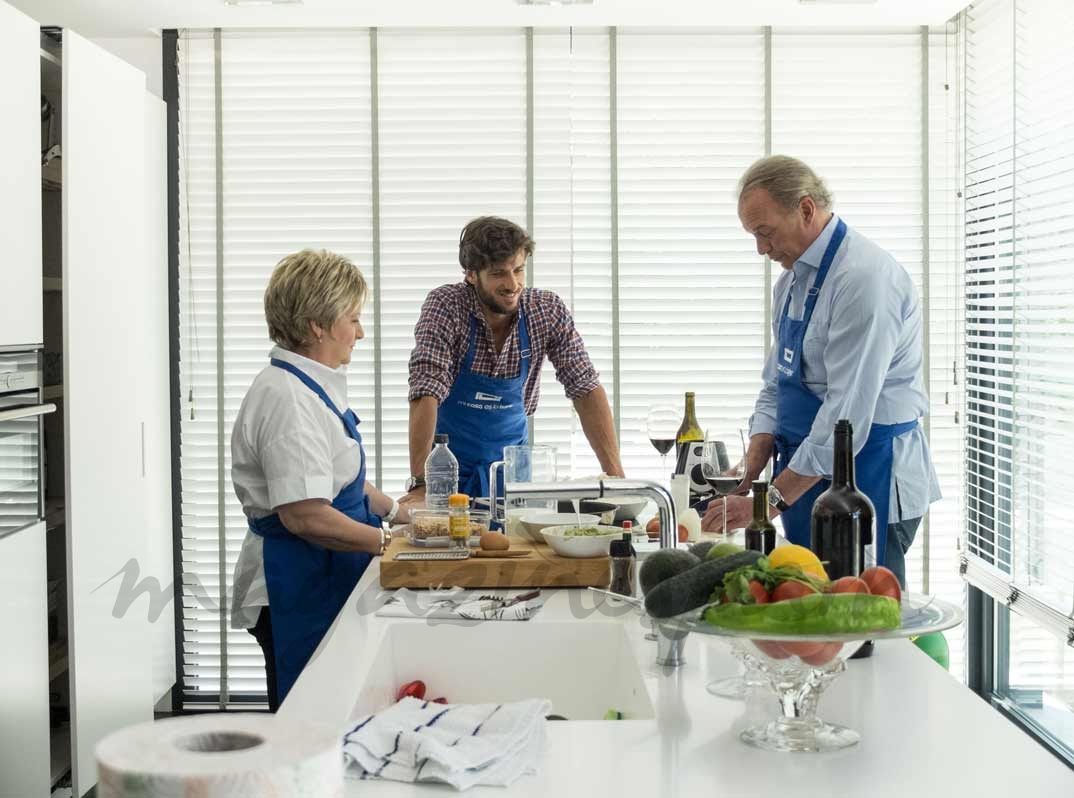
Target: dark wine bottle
760,534
689,433
842,519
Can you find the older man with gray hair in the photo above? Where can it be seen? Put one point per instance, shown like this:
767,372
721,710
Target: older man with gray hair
847,331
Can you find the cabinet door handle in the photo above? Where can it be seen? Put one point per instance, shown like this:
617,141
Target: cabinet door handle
28,411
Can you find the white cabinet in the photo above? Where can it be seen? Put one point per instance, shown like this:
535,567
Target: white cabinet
20,180
104,362
24,719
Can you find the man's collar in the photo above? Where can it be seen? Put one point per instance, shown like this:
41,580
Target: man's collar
815,252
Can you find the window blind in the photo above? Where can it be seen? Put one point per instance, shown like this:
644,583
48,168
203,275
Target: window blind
572,217
295,138
1020,303
382,144
691,286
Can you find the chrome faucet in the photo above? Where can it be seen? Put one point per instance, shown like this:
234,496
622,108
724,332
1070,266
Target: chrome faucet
598,490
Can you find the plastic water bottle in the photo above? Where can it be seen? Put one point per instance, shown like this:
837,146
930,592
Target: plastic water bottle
441,475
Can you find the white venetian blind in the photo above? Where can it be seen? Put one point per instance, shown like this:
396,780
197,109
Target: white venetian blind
452,110
691,118
572,217
296,138
1020,295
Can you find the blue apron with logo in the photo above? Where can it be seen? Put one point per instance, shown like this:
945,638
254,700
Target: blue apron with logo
484,414
307,583
797,408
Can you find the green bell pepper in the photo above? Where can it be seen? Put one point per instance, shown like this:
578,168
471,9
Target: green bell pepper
819,614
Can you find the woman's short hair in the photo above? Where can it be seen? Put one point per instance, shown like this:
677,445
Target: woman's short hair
491,241
787,180
313,285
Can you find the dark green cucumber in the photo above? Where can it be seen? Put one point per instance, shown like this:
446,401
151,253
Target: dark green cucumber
691,589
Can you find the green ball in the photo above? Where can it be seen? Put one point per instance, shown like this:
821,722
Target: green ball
935,645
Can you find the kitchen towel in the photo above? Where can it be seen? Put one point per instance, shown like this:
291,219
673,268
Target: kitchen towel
457,605
221,756
458,744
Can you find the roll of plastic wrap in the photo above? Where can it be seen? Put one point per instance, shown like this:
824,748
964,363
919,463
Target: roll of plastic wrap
221,756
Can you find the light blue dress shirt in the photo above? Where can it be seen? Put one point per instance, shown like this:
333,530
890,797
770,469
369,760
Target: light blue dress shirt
862,356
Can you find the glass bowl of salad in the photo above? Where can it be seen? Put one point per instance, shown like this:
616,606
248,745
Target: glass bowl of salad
586,540
796,653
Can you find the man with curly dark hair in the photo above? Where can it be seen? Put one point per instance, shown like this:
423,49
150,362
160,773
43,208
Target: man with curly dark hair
476,365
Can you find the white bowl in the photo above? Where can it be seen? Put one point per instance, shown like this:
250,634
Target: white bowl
532,522
580,546
627,507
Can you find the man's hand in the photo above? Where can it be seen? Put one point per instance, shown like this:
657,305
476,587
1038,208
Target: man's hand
739,510
414,498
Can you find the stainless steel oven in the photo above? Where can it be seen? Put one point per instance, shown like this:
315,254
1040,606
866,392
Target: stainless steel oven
22,467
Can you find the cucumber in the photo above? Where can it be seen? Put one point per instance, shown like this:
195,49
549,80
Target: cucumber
664,564
818,614
692,588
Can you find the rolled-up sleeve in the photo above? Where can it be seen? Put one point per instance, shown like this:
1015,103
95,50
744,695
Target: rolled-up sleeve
433,361
574,370
862,337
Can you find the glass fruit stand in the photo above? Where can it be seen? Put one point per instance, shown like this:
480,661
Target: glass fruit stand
797,668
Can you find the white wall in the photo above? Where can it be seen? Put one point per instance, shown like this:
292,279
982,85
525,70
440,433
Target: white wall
141,52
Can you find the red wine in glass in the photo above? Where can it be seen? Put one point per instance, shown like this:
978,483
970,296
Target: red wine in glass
662,445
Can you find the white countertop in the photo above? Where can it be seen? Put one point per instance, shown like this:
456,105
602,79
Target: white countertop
923,734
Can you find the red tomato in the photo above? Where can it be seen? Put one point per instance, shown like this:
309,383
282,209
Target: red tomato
652,529
772,649
760,595
440,700
882,582
825,655
684,534
804,650
848,584
791,590
414,689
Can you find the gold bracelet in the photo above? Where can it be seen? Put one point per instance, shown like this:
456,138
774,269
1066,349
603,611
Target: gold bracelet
385,540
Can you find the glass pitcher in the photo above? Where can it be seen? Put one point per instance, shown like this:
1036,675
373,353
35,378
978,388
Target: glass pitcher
520,464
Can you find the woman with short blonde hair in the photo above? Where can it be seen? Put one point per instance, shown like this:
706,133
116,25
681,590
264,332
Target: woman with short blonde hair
298,467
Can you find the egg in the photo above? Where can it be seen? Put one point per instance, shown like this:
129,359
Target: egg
494,541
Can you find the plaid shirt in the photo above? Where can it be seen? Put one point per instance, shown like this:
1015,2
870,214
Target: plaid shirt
442,336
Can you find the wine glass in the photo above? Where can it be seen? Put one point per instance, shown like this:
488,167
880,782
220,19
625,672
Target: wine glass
716,467
662,427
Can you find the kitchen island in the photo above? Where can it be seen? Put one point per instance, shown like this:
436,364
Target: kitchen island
923,734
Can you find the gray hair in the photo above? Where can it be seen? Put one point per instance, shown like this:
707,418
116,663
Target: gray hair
313,285
787,180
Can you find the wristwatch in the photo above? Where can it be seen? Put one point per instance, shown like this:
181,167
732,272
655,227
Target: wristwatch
413,483
775,499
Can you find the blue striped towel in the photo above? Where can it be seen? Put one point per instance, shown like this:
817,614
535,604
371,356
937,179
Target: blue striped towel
458,744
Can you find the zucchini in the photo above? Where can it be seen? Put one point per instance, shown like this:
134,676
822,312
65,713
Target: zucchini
692,588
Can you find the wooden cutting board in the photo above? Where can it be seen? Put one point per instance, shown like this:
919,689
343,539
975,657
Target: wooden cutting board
541,568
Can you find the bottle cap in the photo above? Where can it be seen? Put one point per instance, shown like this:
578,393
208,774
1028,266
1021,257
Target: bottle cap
458,500
844,425
760,485
628,525
441,438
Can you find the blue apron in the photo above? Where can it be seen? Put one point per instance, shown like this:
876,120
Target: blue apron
484,414
307,583
797,408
